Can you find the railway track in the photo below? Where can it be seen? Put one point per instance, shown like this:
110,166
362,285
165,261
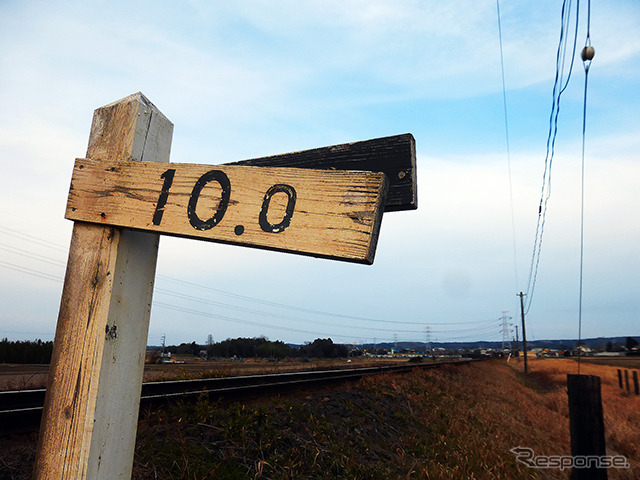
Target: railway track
21,410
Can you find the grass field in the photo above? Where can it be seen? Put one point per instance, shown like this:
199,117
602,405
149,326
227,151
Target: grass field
450,423
21,377
458,422
620,362
621,409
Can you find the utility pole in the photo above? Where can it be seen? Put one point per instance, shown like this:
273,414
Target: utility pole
427,343
524,332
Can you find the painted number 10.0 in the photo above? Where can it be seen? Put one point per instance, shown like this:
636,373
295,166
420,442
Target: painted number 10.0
221,178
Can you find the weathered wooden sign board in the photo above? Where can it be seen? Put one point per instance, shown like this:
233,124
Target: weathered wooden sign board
325,213
394,156
325,202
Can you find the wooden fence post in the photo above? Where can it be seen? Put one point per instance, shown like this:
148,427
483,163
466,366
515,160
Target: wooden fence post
635,382
93,395
586,423
626,380
620,378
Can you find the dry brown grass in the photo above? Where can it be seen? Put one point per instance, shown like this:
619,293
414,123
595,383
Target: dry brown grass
632,362
450,423
621,410
21,377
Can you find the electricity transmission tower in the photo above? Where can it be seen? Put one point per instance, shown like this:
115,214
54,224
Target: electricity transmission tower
427,335
505,328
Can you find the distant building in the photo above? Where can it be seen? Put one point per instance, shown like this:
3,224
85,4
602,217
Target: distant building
165,357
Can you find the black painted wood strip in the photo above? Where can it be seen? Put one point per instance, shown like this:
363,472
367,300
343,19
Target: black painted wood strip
395,156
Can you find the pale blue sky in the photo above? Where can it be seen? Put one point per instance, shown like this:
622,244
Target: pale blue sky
255,78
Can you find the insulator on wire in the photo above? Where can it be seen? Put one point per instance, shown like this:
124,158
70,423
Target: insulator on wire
587,53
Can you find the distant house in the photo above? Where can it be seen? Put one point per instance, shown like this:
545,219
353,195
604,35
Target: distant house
165,357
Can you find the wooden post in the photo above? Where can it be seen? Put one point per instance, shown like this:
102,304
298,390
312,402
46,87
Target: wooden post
524,332
93,395
620,378
626,380
635,382
586,423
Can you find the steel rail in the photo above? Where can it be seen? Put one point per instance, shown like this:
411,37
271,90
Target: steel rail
21,410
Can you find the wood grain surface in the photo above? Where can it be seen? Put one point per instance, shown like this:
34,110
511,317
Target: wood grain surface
395,156
325,213
93,392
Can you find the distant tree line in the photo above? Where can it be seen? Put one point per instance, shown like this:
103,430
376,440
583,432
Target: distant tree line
261,347
323,348
630,346
25,351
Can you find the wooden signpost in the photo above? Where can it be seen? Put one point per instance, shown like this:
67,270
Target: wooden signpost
325,202
332,214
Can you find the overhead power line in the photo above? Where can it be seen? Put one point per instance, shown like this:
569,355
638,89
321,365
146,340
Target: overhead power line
466,335
587,55
30,238
263,313
559,86
469,329
506,134
307,310
30,271
34,256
